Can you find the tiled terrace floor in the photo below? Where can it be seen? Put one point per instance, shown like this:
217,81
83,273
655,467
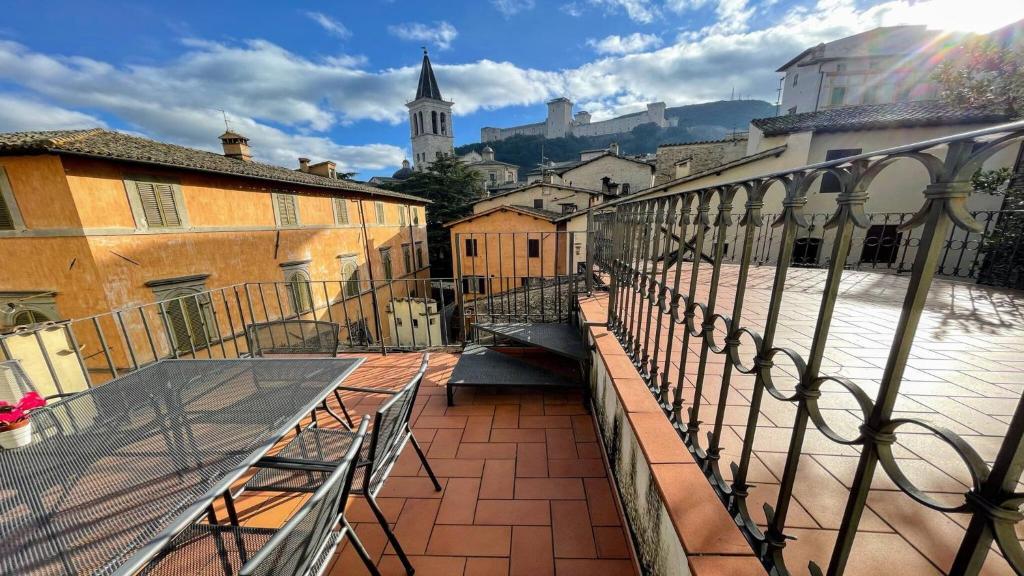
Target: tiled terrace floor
966,373
525,489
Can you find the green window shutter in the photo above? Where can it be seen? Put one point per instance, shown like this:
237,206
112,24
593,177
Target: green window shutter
401,215
379,209
341,211
6,219
287,212
158,204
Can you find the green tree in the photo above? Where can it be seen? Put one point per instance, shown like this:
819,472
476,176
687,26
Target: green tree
450,186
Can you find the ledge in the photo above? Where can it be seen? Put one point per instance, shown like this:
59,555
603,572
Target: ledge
677,520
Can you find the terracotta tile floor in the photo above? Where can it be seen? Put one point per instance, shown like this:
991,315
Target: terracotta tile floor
966,373
525,489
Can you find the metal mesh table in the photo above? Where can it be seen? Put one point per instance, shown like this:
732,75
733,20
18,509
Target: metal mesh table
115,471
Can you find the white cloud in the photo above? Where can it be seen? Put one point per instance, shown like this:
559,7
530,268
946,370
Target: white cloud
19,113
440,34
615,44
512,7
641,11
329,24
572,9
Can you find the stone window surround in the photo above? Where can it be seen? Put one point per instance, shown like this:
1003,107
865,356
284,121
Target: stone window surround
135,201
40,302
7,195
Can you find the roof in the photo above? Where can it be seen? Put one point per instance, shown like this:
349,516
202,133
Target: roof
526,210
427,87
495,162
738,137
534,185
563,167
110,145
770,152
877,117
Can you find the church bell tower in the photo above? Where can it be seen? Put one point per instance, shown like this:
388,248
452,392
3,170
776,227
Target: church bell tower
430,120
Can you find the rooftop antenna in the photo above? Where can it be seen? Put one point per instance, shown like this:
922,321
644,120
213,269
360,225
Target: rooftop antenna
227,127
778,96
732,95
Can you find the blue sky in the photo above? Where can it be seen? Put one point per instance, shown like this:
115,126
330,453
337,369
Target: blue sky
329,80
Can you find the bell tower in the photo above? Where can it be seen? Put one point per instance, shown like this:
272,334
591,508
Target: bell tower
430,120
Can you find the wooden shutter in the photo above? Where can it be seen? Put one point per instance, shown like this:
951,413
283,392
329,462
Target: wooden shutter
6,219
401,214
379,209
287,213
158,204
340,211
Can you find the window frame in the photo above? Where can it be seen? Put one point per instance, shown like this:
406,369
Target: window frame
420,255
348,282
407,258
538,203
829,180
832,96
378,209
336,203
532,243
131,184
475,251
386,263
10,203
275,196
34,302
171,290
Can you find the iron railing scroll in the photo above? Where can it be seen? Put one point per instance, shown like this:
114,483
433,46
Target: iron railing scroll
645,244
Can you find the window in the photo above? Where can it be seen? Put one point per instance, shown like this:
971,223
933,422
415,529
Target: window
158,204
829,182
433,120
533,247
796,78
538,203
350,276
625,187
10,218
340,211
493,177
188,315
444,124
791,111
385,261
286,209
422,130
20,308
420,260
474,284
402,218
300,295
378,209
568,208
415,216
437,155
407,257
882,244
415,125
840,68
871,95
838,95
359,332
471,247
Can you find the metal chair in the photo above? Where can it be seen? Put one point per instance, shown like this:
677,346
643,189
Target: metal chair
304,546
298,337
298,467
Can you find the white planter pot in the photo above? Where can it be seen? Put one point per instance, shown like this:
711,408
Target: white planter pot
16,437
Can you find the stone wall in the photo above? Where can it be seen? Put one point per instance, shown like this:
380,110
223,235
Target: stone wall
702,156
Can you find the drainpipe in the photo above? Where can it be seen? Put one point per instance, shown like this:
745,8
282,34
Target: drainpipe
821,80
373,289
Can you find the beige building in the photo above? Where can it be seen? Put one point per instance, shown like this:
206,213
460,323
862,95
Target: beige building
415,322
608,171
680,160
496,175
556,198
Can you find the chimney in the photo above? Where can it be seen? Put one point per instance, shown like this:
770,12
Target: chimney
488,153
614,148
236,146
325,169
303,164
549,176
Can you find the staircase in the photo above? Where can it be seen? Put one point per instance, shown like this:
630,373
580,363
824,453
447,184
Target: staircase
483,365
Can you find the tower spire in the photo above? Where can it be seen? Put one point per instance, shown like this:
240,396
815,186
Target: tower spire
427,87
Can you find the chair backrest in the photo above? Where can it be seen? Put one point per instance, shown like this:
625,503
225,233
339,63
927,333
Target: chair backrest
293,337
307,539
14,382
391,429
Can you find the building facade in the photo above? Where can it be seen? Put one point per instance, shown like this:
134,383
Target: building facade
607,171
679,160
561,122
496,175
430,120
94,220
880,66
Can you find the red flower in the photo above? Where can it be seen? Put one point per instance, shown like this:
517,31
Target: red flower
13,413
31,401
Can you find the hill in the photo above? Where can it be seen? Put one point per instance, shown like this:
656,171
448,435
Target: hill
706,121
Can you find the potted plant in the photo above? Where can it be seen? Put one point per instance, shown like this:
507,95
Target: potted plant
15,426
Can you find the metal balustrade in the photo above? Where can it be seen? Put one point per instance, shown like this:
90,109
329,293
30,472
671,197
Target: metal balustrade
646,243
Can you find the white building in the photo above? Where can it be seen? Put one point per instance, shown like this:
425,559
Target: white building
415,322
884,65
560,122
497,175
430,120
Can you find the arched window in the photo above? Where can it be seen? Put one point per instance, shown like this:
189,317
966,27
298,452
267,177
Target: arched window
299,293
29,316
444,124
421,121
415,127
350,276
433,120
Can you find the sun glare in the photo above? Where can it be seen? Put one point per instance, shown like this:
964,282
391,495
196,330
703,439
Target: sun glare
978,16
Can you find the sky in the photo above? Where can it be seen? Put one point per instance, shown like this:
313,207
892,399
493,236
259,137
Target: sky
329,80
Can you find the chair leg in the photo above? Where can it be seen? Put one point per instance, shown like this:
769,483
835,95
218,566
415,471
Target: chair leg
229,503
383,521
344,410
423,459
361,550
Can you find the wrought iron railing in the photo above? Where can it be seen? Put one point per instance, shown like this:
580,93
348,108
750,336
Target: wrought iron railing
652,305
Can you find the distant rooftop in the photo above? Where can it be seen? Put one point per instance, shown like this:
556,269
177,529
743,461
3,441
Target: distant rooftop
877,117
